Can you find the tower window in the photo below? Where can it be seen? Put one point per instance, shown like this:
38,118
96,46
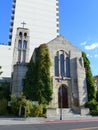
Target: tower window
25,35
20,34
19,56
24,44
24,56
20,44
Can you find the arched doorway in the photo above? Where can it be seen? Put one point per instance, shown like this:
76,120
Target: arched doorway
63,97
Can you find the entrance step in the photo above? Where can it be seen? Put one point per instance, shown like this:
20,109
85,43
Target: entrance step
65,113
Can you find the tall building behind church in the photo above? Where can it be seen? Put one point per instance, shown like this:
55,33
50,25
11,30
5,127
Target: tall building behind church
39,16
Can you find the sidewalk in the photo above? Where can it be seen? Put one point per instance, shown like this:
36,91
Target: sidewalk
16,121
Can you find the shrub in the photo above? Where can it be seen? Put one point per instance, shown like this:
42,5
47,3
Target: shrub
14,105
3,106
37,111
94,112
28,108
93,105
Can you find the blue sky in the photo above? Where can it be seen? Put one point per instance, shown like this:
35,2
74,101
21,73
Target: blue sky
78,22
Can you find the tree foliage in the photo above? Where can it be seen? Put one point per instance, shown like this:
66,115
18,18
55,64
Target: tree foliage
5,90
37,82
0,71
89,78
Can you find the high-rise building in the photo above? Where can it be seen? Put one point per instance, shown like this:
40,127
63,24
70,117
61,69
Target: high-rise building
39,16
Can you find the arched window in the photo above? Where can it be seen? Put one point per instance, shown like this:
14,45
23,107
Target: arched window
24,56
24,44
62,64
19,56
25,34
20,44
20,34
67,67
56,63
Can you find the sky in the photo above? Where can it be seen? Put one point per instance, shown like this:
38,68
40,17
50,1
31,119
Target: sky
78,23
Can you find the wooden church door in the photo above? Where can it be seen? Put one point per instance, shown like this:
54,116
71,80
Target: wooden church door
63,97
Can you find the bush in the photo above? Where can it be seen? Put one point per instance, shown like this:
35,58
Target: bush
14,105
37,111
28,108
94,112
3,106
93,105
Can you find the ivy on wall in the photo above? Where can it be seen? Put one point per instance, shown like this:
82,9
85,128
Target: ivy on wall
37,82
89,78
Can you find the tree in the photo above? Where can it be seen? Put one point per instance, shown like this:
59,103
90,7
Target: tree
5,90
89,78
0,71
37,82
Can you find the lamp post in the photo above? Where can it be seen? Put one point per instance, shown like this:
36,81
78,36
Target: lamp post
61,94
61,104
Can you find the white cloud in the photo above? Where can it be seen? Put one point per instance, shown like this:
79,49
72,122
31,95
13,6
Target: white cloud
96,55
92,46
83,43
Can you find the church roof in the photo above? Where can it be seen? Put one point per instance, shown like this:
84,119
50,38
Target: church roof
62,41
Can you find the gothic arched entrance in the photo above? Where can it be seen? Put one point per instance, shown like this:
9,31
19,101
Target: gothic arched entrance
63,97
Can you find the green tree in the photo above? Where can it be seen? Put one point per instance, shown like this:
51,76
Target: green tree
14,105
0,71
5,90
89,78
37,83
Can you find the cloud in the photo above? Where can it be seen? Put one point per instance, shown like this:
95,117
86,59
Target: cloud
96,55
92,46
83,43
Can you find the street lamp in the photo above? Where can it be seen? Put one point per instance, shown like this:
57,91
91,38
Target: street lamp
61,93
61,104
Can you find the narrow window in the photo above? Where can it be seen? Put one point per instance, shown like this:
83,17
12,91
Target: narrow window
24,56
67,67
24,44
20,34
19,44
62,64
19,56
56,63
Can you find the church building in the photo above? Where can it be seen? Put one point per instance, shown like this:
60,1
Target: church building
40,24
67,73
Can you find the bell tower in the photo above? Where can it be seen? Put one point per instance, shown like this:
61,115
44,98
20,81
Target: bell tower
20,60
21,46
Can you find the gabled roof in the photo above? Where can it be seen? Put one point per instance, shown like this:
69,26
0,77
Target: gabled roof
62,40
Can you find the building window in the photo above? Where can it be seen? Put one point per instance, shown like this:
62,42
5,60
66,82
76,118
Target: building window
24,44
24,56
56,66
20,34
25,35
62,64
20,44
67,67
19,56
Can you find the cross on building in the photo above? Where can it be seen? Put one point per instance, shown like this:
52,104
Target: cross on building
23,23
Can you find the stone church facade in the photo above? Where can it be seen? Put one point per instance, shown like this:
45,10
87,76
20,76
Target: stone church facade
67,73
68,77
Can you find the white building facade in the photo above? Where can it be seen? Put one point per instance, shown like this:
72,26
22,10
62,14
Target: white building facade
39,16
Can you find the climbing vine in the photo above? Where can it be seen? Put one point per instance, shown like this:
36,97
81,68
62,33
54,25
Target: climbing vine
37,82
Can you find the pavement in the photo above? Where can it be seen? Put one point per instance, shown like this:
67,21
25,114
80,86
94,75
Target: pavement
16,121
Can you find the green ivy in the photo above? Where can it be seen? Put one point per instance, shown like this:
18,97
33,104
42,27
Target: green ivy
89,79
37,82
